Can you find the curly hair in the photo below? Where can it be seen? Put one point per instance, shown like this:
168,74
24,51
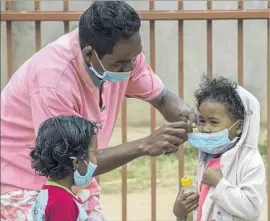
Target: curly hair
221,90
59,139
105,23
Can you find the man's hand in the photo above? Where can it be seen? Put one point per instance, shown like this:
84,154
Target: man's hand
184,112
212,176
174,109
184,204
166,139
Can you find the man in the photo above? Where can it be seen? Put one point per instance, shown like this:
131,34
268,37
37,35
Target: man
85,73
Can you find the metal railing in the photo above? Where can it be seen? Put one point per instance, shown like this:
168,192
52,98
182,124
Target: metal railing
152,15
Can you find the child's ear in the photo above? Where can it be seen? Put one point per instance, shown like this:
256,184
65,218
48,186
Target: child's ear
75,163
239,127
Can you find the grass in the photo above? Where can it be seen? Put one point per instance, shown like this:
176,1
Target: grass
139,174
139,171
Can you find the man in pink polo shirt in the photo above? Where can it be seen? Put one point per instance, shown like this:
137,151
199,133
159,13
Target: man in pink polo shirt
87,73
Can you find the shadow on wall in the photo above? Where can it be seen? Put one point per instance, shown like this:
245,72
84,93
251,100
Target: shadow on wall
224,48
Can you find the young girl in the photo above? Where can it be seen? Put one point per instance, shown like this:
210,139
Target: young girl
231,174
64,153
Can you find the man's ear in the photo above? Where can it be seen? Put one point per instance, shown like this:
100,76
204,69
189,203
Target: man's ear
87,54
239,127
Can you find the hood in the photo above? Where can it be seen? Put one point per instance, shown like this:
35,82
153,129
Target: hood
251,126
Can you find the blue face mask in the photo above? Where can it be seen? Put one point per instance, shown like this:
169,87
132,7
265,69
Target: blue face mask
212,143
112,76
109,75
80,180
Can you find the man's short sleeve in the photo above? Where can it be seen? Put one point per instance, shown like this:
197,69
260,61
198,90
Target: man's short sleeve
144,84
49,102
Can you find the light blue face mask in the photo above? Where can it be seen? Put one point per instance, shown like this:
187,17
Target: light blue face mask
212,143
80,180
109,75
112,76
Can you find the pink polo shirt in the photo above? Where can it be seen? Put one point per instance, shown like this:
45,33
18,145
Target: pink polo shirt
55,82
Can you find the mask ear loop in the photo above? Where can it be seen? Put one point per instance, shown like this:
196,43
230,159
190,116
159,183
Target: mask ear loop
73,158
85,162
96,73
233,125
100,62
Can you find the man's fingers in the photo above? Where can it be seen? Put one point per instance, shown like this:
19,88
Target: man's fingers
175,140
168,147
179,132
180,124
171,149
185,119
192,117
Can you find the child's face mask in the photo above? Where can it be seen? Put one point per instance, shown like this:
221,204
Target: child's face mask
81,180
212,143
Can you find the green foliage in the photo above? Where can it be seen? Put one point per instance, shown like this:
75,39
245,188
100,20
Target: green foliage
263,146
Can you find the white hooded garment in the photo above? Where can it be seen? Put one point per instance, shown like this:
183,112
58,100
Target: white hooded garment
240,195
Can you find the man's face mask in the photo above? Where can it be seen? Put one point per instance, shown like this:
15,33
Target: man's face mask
109,75
212,143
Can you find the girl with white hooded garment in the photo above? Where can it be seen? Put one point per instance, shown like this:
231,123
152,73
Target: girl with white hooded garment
231,177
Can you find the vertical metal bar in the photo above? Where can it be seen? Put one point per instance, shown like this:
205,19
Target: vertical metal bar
66,23
181,81
209,43
37,28
9,42
153,117
240,46
268,111
124,168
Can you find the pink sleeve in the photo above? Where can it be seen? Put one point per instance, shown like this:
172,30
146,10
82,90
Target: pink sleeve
144,83
49,102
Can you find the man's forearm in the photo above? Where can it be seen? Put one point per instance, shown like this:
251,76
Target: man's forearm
169,106
114,157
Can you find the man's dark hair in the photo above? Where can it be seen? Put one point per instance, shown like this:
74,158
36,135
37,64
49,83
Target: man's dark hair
105,23
59,139
223,91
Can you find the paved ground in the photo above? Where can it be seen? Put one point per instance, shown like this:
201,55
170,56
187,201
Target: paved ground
139,206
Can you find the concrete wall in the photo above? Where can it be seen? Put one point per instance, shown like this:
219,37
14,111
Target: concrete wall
224,47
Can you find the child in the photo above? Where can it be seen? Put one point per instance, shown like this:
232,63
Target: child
63,153
231,175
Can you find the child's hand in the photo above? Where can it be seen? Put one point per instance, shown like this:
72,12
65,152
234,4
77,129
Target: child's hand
211,176
185,203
